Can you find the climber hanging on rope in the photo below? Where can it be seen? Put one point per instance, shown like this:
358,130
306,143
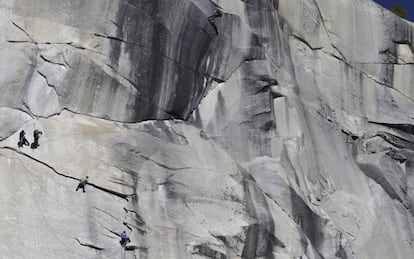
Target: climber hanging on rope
36,136
22,139
124,238
82,182
218,12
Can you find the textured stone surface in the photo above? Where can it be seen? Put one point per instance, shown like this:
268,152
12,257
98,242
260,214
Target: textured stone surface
290,134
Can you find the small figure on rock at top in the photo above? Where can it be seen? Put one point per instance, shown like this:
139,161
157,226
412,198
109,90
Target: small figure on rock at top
218,12
36,136
22,139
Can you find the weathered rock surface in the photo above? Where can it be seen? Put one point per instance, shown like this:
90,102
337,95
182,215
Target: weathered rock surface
290,134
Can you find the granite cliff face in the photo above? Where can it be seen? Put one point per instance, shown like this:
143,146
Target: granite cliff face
290,134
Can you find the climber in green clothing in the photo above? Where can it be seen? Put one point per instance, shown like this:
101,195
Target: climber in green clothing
82,182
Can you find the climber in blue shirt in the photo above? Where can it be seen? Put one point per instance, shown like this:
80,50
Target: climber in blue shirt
124,238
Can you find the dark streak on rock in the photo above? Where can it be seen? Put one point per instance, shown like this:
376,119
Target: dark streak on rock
185,76
209,252
102,211
310,223
260,239
407,128
127,225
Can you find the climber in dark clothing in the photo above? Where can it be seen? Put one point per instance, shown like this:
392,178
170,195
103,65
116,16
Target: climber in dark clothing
22,139
218,12
124,238
36,136
82,182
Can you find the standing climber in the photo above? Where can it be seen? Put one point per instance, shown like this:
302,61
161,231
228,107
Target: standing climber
36,136
22,139
218,12
124,238
82,182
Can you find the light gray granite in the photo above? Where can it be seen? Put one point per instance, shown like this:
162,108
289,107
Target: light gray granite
290,134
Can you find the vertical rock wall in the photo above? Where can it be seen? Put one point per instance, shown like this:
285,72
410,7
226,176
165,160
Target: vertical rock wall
287,135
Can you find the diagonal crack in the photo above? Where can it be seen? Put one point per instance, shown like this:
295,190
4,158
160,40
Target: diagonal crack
305,42
55,63
133,84
104,212
118,194
326,30
47,81
65,61
164,166
70,44
25,32
89,245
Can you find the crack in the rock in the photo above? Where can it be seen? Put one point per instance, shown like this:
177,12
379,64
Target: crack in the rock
89,245
54,63
125,78
118,194
14,132
47,81
305,42
340,52
327,31
19,41
180,135
130,226
104,212
114,23
368,76
383,84
113,232
129,172
343,56
25,32
374,79
28,109
138,218
121,182
114,38
64,60
70,44
162,165
19,109
127,225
